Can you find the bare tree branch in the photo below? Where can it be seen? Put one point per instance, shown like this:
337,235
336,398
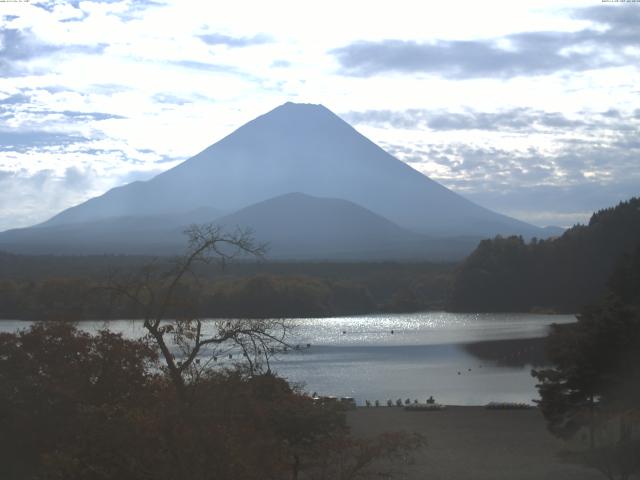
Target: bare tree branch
155,294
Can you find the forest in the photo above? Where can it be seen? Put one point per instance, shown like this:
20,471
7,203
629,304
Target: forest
590,388
74,287
555,275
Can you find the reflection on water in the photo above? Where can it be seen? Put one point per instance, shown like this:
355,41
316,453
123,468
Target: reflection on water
426,328
460,359
518,352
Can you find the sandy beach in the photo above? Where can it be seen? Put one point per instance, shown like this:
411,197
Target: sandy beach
472,443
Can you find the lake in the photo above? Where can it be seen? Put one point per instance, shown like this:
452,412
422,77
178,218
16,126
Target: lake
460,359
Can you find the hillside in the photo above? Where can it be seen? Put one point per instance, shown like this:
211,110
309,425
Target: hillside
561,274
299,226
159,234
294,226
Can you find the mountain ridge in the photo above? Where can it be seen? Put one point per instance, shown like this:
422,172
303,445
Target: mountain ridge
333,229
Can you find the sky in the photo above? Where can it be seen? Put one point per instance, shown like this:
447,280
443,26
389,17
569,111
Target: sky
530,108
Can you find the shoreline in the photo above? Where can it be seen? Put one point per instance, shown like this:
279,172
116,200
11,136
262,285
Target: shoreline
375,313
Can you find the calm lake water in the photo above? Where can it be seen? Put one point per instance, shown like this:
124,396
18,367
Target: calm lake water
427,354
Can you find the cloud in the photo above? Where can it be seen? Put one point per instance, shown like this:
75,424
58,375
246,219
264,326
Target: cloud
68,11
40,127
85,116
136,9
234,42
562,187
170,99
515,119
21,45
76,179
622,19
556,205
77,11
518,54
49,6
280,64
475,167
15,99
17,47
22,141
27,198
204,66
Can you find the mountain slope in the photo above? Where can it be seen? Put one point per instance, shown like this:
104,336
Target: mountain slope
308,149
295,226
139,234
299,226
561,274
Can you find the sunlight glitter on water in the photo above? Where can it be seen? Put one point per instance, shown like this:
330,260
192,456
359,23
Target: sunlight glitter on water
425,355
427,328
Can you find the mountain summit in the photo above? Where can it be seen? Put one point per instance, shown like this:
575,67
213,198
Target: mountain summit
294,148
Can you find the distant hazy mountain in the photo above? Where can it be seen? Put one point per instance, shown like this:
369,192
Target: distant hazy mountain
141,234
300,148
295,226
300,226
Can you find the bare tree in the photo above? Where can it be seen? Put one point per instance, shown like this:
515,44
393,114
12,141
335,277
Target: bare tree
185,340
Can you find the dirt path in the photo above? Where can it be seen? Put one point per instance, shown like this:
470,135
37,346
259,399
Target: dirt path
472,443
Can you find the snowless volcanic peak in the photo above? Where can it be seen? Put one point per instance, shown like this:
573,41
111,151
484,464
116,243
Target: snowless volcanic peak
300,148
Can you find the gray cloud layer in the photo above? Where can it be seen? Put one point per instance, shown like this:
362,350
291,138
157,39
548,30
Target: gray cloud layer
42,127
22,141
15,46
530,53
19,46
512,119
219,39
544,188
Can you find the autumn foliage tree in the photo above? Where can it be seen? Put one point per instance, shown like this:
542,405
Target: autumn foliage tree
52,379
79,406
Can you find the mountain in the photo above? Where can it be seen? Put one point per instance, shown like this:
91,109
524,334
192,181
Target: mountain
293,148
300,226
295,226
301,148
143,234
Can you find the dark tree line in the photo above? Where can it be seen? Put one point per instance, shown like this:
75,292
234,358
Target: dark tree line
260,296
255,295
593,385
561,274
